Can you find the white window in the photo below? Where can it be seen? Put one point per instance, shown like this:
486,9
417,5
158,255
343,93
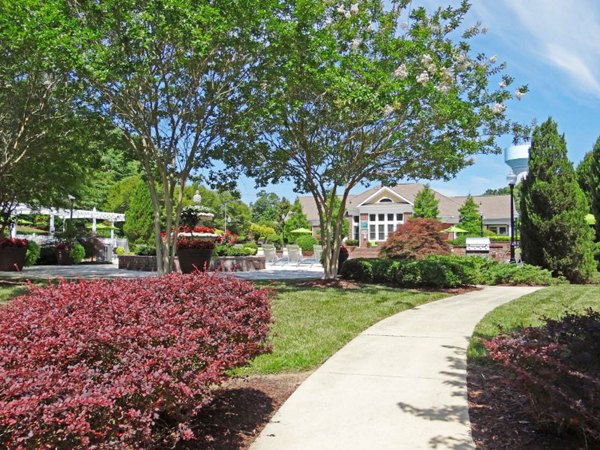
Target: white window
383,225
385,200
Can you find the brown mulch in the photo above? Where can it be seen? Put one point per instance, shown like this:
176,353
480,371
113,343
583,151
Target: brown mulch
500,418
335,283
240,410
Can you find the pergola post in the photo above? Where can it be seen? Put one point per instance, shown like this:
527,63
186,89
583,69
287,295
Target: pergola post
51,227
94,220
112,230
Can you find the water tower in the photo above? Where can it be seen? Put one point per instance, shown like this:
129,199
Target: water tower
517,157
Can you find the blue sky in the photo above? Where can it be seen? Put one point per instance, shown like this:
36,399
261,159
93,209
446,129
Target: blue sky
551,45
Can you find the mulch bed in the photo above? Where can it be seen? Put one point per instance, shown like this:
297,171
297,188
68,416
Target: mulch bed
500,418
240,410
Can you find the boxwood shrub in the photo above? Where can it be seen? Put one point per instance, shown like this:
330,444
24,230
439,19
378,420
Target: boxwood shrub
123,363
444,271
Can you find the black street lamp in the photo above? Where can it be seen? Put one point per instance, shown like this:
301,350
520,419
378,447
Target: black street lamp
512,179
481,223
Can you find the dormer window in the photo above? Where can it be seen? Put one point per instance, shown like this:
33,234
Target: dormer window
386,200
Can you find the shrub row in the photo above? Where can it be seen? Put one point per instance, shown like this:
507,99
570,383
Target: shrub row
443,271
559,365
124,363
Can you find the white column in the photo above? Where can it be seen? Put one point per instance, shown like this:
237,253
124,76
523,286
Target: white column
94,220
51,226
112,230
13,228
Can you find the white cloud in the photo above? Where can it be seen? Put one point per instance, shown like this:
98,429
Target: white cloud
562,34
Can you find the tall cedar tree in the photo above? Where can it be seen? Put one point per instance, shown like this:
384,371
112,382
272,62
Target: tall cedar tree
139,225
297,219
588,175
470,218
554,234
426,205
416,239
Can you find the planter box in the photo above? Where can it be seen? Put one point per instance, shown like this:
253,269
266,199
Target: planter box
238,263
12,259
63,258
141,263
192,259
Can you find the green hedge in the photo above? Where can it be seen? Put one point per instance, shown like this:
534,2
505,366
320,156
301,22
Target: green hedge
444,272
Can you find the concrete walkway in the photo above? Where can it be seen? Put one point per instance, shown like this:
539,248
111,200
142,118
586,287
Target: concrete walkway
272,272
401,384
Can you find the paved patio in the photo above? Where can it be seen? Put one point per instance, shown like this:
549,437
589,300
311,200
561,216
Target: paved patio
272,272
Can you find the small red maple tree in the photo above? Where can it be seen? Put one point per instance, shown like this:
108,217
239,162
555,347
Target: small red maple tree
416,239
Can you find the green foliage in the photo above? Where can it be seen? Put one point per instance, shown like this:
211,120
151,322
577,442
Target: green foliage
470,219
228,250
306,242
33,253
498,191
554,233
296,219
443,271
139,221
588,176
263,233
426,205
120,251
144,250
77,253
120,194
270,210
351,243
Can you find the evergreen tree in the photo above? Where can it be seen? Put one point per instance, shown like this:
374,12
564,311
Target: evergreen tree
554,234
297,219
588,176
426,205
139,223
470,219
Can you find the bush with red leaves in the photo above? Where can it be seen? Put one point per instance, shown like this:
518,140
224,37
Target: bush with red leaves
122,364
12,242
416,239
559,364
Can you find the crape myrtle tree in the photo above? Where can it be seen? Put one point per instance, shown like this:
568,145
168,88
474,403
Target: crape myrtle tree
554,233
40,158
170,74
371,92
426,206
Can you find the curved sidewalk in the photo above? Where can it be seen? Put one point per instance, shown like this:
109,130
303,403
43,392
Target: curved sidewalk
401,384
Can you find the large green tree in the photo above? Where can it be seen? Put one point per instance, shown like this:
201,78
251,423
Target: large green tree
296,219
170,74
426,206
269,209
554,233
588,176
371,91
470,218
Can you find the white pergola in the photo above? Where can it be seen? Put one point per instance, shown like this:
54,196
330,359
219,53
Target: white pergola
66,214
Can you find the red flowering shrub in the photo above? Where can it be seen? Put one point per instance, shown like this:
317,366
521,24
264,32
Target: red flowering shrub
559,365
416,239
10,242
121,364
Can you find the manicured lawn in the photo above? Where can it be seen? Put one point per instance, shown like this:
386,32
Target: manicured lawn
313,323
530,310
8,292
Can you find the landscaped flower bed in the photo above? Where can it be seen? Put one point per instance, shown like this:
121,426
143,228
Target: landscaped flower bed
124,363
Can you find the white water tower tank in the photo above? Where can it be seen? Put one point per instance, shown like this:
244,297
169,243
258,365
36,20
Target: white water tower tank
517,157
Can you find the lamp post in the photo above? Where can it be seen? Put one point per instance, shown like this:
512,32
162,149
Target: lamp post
511,178
72,200
481,224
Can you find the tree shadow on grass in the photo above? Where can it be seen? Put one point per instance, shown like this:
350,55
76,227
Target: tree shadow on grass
230,421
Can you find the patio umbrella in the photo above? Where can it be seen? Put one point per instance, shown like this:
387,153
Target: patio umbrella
454,229
301,231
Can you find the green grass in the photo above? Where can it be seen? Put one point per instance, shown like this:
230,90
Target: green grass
310,324
530,310
8,292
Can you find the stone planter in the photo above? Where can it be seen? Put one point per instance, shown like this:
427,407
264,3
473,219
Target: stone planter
238,263
192,259
63,258
12,259
140,263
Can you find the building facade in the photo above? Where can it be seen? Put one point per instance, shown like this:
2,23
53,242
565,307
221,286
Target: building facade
377,212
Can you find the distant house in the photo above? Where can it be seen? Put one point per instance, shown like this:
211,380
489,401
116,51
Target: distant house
375,213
